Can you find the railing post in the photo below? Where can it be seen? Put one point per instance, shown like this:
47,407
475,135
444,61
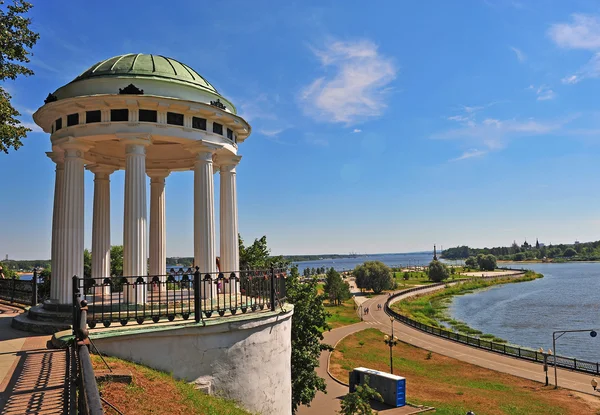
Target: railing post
197,299
12,291
75,305
575,363
272,289
34,299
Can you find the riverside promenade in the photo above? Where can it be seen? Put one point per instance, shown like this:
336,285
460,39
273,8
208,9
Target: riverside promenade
329,403
32,378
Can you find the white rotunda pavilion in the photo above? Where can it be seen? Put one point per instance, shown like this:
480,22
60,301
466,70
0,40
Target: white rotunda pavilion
148,115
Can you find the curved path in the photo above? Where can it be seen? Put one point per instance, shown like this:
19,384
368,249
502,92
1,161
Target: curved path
501,363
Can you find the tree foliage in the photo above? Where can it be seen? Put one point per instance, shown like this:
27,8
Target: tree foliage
15,44
438,271
471,262
569,252
358,402
308,322
258,255
116,260
336,288
373,275
486,262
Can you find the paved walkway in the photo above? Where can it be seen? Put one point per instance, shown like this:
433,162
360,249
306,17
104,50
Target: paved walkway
32,378
534,371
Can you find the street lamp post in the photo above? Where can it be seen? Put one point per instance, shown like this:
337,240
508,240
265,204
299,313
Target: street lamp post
560,333
391,341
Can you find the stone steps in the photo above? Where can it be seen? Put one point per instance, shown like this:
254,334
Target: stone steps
24,323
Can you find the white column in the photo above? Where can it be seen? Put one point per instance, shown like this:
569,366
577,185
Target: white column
158,228
58,194
204,213
71,230
230,255
135,224
101,226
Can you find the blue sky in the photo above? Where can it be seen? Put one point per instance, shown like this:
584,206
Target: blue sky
377,127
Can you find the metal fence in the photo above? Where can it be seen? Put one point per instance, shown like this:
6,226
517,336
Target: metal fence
19,291
502,348
179,294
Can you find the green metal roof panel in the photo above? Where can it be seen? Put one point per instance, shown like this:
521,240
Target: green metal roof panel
138,64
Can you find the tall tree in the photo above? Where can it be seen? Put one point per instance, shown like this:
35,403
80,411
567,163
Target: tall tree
308,322
438,271
373,275
336,288
16,40
358,402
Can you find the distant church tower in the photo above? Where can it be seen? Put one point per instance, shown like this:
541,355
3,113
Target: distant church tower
434,254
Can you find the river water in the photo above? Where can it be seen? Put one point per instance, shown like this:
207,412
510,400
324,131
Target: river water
567,298
391,260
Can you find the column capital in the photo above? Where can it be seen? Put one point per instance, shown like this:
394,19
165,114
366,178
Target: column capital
101,171
158,175
228,162
56,156
202,147
73,147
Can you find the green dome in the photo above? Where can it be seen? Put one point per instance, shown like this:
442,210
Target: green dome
146,66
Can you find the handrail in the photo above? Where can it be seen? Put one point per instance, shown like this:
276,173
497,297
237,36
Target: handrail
501,348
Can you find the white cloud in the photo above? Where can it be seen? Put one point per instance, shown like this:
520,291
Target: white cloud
470,154
520,55
583,32
259,107
356,85
356,130
494,134
33,126
271,133
589,70
543,92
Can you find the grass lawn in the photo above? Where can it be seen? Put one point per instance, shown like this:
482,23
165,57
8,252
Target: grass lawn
155,392
454,387
342,315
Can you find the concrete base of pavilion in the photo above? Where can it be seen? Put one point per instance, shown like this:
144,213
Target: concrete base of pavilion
47,318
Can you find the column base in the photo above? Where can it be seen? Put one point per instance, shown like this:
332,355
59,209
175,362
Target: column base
40,320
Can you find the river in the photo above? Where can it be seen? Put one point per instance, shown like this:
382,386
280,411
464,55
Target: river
527,313
391,260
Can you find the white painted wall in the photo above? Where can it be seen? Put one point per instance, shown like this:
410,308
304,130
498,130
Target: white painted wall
247,361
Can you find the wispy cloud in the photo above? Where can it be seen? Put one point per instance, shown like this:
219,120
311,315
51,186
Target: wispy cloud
520,55
271,133
589,70
33,126
356,87
257,107
543,92
469,154
356,131
316,140
582,32
494,134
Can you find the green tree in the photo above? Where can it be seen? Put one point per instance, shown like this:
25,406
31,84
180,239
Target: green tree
336,288
374,275
258,256
471,262
438,271
569,252
358,402
16,41
308,322
8,273
520,256
116,260
487,262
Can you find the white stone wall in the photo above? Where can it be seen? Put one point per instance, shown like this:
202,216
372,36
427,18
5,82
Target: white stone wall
247,361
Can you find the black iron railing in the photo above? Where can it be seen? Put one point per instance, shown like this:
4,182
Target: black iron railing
179,294
502,348
82,395
17,291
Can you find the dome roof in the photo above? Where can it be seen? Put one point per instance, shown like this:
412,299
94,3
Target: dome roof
146,66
